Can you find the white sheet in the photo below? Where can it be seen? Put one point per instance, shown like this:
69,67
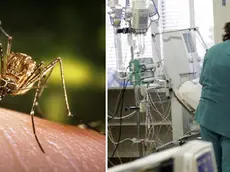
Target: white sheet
190,92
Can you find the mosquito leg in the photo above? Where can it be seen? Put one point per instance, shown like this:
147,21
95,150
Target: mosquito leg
34,75
49,68
42,86
8,49
9,43
2,60
40,77
44,83
32,115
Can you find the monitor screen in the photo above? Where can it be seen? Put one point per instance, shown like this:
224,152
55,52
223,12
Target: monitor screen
205,163
189,42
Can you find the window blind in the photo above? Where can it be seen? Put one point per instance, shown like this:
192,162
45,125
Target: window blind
175,14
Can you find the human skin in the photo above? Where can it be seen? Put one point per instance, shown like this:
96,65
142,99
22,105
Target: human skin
67,148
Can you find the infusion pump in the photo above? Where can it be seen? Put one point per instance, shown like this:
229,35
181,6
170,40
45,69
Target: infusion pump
194,156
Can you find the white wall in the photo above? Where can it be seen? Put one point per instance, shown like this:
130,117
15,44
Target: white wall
221,16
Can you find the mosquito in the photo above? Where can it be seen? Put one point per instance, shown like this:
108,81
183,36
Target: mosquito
19,74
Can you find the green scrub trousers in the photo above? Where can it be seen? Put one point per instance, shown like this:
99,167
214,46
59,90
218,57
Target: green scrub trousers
221,147
213,111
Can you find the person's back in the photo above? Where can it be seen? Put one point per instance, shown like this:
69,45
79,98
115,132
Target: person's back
215,97
213,111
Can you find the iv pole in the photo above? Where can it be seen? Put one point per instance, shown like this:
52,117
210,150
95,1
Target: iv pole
136,87
136,94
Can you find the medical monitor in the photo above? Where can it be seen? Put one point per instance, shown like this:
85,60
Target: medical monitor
194,156
155,163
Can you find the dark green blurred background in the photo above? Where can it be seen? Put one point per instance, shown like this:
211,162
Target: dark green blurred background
76,33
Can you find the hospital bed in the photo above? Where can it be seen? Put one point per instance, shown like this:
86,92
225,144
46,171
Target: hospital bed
188,95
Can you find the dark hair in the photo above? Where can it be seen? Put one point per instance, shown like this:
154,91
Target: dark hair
226,35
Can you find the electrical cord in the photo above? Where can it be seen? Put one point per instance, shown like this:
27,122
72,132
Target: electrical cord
124,117
111,137
119,104
115,143
151,130
120,97
119,136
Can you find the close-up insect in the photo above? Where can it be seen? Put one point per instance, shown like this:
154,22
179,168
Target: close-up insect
20,73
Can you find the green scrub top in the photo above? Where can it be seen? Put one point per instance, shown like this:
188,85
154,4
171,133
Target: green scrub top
213,111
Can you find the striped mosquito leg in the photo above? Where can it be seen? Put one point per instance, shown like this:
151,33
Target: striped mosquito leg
42,86
49,68
8,49
2,60
44,82
32,115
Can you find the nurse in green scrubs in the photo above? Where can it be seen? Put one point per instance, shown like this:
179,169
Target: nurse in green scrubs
213,111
